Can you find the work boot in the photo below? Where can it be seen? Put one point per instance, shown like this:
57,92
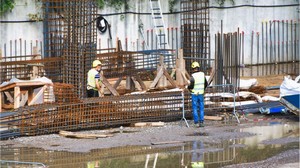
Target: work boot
201,124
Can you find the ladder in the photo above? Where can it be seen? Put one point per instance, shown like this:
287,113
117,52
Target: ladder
159,25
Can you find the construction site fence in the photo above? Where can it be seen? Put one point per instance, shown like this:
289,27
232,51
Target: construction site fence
221,99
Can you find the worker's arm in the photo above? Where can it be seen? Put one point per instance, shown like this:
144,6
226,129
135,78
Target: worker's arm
205,82
97,79
192,82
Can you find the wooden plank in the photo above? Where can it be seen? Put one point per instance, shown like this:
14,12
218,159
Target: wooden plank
153,124
157,124
35,98
69,134
216,118
140,124
118,82
186,81
158,76
9,97
180,68
136,83
24,98
142,84
166,142
169,78
17,94
109,87
32,84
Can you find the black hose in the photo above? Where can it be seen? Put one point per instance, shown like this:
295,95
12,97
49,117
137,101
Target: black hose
100,27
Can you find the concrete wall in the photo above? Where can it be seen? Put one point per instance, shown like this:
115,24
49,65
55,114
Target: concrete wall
249,19
126,26
29,31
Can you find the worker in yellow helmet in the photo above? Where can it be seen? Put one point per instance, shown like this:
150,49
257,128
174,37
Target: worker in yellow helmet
197,160
94,80
197,86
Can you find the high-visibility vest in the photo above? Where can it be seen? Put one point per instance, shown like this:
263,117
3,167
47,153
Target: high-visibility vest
199,78
91,82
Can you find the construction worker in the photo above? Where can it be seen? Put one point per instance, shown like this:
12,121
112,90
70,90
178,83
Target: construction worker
93,80
197,85
197,155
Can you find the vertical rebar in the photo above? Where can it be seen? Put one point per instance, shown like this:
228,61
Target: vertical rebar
267,48
243,53
257,52
271,47
262,48
274,48
251,54
278,42
282,49
287,44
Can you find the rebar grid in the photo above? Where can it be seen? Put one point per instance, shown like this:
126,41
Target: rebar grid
96,112
65,93
70,33
220,98
26,67
195,31
127,63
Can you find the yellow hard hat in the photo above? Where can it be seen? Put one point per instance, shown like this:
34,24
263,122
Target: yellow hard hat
195,65
96,63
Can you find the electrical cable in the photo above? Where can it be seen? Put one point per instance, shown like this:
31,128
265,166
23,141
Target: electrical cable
101,24
178,12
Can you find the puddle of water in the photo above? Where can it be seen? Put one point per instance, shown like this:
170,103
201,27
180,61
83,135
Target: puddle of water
228,152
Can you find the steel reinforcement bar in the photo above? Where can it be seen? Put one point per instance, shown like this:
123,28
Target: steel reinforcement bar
93,113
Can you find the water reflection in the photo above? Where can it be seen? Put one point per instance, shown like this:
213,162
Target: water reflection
210,155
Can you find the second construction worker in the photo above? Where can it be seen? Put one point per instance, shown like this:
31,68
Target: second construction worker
94,80
197,86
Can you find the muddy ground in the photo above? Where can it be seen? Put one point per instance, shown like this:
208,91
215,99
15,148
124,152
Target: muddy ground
172,133
176,133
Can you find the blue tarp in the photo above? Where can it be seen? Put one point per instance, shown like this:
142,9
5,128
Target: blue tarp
292,102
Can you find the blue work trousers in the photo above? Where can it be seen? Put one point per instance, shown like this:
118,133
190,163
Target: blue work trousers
198,107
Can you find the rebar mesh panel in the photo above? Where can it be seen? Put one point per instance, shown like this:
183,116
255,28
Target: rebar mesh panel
219,98
97,112
70,33
195,36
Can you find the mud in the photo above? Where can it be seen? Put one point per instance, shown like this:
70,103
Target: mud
176,133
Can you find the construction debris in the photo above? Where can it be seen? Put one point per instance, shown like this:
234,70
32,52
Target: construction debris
149,124
69,134
215,118
292,102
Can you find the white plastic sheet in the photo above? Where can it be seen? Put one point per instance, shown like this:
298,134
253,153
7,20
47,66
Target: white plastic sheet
247,83
289,86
